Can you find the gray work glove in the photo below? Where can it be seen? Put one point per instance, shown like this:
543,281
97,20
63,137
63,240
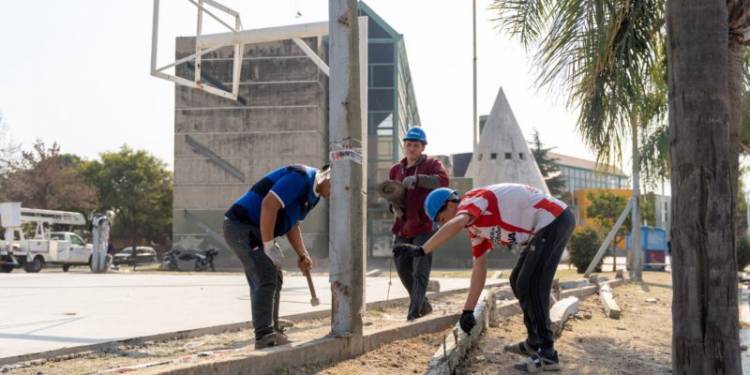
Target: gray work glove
423,180
273,251
409,182
408,249
428,181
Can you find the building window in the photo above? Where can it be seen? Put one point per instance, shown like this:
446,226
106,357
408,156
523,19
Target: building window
520,155
508,156
493,156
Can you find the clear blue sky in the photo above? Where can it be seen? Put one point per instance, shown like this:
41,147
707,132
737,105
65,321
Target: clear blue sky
77,72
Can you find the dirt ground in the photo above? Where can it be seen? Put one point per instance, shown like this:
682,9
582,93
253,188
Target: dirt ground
638,343
399,357
120,358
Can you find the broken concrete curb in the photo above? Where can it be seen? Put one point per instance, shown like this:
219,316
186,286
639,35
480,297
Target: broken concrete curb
561,312
458,343
611,308
219,329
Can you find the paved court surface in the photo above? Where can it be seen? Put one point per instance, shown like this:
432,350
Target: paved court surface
53,310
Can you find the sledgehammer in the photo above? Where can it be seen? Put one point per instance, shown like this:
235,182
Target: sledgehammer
314,300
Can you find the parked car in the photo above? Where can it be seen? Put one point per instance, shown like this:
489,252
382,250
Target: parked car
143,255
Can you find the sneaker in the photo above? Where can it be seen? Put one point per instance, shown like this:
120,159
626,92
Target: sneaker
426,308
275,338
536,364
520,348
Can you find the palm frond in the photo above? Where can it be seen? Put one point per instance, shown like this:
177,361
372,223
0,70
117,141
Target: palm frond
600,52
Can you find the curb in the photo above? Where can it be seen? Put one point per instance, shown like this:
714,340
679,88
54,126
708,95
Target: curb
224,328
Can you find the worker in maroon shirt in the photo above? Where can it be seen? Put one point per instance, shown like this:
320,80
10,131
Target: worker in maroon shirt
419,175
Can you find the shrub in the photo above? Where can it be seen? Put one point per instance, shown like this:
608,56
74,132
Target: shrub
583,246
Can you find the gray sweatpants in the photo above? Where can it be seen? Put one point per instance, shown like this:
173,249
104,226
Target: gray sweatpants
414,273
264,278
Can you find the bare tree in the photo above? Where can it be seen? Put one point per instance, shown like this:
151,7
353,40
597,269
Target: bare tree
8,149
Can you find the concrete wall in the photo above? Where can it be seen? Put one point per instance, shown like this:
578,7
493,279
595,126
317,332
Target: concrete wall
282,120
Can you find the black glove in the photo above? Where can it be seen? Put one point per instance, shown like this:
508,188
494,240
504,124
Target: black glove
467,321
408,250
396,210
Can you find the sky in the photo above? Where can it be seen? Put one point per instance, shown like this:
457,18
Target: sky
76,72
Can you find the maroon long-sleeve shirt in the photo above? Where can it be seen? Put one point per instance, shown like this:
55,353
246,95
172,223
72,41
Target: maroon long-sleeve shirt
415,220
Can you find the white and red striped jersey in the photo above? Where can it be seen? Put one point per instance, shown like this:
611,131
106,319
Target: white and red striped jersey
506,214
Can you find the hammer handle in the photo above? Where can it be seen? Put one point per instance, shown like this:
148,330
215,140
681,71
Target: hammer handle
310,285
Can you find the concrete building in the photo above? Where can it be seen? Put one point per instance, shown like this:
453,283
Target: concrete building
223,147
503,154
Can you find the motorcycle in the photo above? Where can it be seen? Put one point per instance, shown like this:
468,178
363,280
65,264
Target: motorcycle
202,260
170,260
210,254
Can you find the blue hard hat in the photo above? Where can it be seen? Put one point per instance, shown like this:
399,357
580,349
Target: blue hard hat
436,200
416,134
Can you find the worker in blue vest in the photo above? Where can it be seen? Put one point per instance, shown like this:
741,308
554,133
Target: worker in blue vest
273,207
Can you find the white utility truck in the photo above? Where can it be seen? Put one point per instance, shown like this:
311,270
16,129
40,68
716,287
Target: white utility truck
64,248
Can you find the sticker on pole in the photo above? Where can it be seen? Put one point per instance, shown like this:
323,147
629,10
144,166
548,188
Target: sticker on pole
345,150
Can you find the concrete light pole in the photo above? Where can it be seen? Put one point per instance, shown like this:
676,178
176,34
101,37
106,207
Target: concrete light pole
347,204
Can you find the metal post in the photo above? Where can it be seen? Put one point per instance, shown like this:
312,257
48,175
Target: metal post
239,51
347,208
198,32
474,125
154,36
636,267
364,72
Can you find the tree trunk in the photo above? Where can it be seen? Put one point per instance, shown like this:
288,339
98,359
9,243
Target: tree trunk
736,94
704,309
636,265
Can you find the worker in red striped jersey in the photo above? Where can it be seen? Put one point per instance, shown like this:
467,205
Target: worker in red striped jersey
508,214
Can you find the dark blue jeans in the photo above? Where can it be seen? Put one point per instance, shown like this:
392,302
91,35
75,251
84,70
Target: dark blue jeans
264,278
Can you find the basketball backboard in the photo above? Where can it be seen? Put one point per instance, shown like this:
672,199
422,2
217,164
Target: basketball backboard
236,37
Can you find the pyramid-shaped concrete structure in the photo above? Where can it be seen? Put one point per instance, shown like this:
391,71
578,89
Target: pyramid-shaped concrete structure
503,154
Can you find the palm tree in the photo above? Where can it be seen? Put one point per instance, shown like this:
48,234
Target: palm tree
608,56
603,53
705,338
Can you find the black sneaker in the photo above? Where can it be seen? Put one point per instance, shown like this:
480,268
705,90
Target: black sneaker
536,363
426,308
275,338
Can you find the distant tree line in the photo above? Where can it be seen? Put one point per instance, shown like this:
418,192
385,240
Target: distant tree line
134,184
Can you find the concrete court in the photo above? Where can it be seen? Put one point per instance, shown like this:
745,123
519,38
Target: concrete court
53,310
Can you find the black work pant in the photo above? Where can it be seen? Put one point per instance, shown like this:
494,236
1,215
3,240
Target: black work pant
414,273
531,279
264,278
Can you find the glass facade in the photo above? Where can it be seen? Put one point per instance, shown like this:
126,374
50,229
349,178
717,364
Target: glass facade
392,110
580,178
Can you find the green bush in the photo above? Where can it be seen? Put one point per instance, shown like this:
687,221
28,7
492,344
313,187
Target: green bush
743,252
583,246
